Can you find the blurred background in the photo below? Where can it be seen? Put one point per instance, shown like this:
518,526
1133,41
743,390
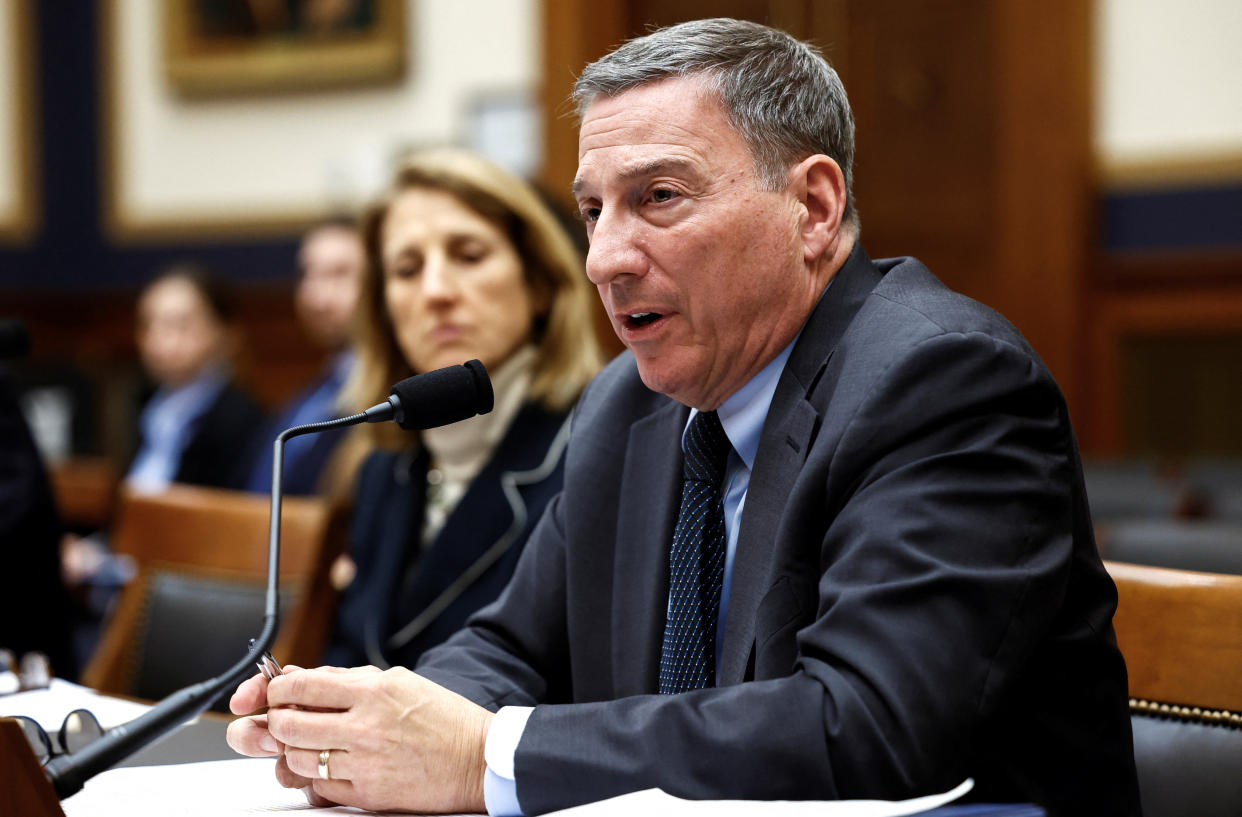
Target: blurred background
1075,164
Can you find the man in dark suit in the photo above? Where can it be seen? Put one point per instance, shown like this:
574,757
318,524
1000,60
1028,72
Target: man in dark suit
331,260
823,532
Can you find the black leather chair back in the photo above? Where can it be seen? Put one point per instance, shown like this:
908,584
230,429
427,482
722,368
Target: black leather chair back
195,628
1188,764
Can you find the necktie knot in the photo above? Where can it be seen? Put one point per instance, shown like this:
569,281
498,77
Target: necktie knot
707,449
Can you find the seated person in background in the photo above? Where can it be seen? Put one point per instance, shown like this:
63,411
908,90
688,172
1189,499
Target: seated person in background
823,531
330,266
198,425
196,428
464,261
35,610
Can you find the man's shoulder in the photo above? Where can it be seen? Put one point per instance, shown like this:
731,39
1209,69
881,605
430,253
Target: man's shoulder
617,399
897,314
908,285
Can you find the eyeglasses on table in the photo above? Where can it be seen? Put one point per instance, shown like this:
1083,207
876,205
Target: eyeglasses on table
79,729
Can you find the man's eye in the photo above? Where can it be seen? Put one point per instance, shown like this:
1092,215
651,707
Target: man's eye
589,214
663,194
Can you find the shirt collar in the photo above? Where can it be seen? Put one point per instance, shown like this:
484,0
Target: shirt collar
742,415
188,397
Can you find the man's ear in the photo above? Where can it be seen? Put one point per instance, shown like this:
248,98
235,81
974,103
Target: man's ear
820,186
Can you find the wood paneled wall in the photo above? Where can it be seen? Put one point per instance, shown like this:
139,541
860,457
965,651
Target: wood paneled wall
92,334
973,141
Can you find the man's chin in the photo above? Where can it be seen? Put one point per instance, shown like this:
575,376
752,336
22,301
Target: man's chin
663,379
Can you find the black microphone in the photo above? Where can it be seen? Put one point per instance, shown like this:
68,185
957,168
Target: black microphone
460,391
14,339
424,401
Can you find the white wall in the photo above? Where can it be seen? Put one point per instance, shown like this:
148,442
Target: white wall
1168,80
1168,73
226,160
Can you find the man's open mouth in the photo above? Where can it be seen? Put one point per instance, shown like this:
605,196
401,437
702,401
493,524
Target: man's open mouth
640,319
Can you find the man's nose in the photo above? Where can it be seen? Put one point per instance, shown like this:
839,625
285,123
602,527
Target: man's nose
614,250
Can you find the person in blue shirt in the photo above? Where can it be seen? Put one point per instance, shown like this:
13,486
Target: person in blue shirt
330,268
197,426
823,532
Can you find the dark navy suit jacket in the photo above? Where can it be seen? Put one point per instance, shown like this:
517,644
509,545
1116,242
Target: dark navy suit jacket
378,618
218,450
916,594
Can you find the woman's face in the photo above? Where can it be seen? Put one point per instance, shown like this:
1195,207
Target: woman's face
178,335
453,284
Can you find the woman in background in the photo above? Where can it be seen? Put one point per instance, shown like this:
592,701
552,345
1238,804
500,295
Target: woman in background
464,261
197,426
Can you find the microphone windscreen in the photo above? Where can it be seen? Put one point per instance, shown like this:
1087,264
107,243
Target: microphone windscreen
443,396
14,339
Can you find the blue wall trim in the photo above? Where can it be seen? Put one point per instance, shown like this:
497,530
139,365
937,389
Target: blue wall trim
1187,219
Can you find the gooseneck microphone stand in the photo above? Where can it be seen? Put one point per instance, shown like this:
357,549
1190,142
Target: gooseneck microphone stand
427,400
68,772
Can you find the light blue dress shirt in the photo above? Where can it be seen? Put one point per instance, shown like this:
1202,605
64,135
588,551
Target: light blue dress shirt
166,422
742,416
314,406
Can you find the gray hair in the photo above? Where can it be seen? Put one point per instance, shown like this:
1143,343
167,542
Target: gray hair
780,93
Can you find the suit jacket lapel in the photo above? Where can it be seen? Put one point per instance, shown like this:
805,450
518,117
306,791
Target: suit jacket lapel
652,484
788,433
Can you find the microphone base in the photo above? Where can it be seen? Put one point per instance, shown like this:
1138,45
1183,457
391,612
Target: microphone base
23,787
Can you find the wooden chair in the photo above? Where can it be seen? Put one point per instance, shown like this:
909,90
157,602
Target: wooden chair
1181,634
197,597
85,489
1208,545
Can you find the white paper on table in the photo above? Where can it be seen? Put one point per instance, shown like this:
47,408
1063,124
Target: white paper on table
216,788
655,801
50,706
226,787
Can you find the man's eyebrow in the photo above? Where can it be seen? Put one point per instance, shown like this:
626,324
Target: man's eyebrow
651,167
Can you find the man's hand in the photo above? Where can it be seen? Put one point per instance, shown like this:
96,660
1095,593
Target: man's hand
249,736
398,741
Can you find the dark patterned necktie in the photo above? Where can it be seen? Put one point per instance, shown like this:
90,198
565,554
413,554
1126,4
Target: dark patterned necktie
696,562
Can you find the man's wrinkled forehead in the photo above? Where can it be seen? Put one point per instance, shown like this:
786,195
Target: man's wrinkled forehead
641,168
662,127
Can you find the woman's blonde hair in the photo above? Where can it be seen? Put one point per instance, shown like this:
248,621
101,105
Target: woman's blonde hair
567,351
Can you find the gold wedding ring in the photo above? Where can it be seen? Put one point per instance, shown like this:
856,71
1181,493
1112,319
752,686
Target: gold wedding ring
324,757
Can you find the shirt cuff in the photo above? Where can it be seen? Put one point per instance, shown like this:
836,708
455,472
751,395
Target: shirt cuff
499,783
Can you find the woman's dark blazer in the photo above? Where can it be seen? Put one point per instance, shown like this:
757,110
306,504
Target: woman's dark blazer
401,602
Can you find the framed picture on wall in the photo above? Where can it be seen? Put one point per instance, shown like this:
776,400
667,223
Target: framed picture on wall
19,146
229,47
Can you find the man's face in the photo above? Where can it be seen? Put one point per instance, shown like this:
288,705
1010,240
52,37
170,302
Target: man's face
700,271
331,263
